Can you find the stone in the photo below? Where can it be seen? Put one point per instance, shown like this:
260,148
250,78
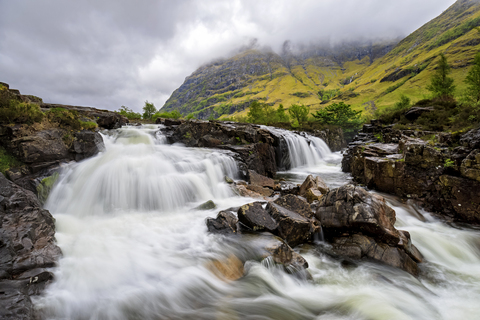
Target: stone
254,216
228,269
265,192
208,205
315,183
313,194
282,253
414,113
224,223
228,180
355,210
259,180
295,204
291,226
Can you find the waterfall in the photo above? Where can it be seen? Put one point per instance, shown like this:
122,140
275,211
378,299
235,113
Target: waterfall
302,151
138,172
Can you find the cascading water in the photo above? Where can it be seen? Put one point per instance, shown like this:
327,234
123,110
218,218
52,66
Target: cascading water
132,252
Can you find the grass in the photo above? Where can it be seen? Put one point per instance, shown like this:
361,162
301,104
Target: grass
7,161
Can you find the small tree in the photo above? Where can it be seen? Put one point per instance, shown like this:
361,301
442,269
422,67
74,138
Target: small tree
340,114
299,112
256,113
281,115
149,110
442,85
473,81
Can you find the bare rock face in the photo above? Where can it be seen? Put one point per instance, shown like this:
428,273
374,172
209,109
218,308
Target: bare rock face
361,225
27,247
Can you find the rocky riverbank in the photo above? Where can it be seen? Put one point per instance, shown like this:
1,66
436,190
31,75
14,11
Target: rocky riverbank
440,171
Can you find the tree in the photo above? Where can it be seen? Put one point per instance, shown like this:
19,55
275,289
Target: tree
442,86
473,81
129,113
340,114
299,112
281,115
149,110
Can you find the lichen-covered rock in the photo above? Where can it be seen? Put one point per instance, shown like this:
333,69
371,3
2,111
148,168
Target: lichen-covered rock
254,216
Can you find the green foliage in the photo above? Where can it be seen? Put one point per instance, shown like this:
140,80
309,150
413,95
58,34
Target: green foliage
395,86
45,186
88,125
149,110
449,163
301,94
175,114
211,117
326,95
190,116
129,113
340,114
454,33
441,84
7,161
281,115
395,113
64,118
473,81
20,112
299,112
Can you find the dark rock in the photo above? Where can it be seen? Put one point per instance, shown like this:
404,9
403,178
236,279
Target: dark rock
254,216
296,205
471,139
315,183
283,254
209,205
414,113
292,227
224,223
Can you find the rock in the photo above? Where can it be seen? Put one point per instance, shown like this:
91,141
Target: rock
359,247
228,180
414,113
254,216
242,191
45,186
291,226
229,269
259,180
470,167
86,144
361,225
283,254
471,139
224,223
352,209
27,247
265,192
295,204
110,121
311,182
209,205
313,195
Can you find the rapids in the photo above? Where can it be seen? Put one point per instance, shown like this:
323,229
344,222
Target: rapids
135,248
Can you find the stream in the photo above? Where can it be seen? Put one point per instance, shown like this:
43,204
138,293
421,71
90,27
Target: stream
135,247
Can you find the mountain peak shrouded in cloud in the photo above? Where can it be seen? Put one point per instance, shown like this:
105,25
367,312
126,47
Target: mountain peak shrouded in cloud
111,53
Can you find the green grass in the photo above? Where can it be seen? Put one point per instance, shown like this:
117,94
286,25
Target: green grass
7,161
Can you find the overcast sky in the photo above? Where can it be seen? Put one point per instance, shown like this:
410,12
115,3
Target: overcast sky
109,53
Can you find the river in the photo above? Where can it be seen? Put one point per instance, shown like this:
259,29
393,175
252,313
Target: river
135,247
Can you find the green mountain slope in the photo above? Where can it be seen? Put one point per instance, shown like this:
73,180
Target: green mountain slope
367,76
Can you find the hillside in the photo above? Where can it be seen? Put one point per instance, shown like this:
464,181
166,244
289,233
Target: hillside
367,76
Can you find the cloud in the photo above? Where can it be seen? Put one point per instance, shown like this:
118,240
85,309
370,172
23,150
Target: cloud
108,53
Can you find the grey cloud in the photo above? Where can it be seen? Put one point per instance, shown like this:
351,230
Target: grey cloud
108,53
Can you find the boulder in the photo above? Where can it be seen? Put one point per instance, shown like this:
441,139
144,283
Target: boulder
315,183
254,216
265,192
414,113
208,205
283,254
224,223
259,180
295,204
313,194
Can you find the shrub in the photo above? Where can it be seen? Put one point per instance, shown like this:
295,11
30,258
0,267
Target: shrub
129,113
20,112
7,161
175,114
299,112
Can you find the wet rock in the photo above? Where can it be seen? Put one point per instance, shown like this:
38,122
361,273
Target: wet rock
415,112
254,216
242,191
359,247
228,180
209,205
316,183
259,180
291,226
86,144
228,269
27,247
224,223
295,204
313,194
283,254
470,167
265,192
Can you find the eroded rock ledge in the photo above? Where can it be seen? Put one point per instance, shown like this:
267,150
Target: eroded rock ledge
256,148
440,171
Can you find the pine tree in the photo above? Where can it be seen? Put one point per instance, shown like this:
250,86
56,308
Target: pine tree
473,81
442,85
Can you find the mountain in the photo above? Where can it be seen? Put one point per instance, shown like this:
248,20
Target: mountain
367,76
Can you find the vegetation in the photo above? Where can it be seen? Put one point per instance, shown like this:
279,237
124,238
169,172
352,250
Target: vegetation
441,84
473,82
129,113
45,186
13,111
175,114
340,114
299,112
149,110
7,161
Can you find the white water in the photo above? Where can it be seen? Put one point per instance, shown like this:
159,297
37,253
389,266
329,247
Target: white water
129,259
